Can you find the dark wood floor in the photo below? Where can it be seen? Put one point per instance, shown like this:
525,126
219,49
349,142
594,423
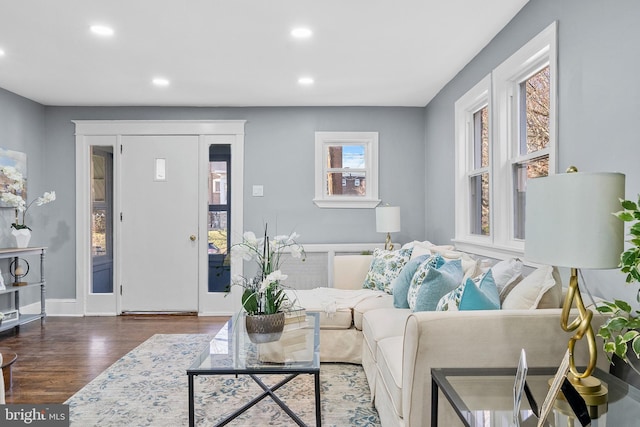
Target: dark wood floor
59,358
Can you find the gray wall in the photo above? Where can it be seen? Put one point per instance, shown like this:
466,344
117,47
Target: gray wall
22,129
279,154
598,104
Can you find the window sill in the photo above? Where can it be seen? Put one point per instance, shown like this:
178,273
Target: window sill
492,251
347,203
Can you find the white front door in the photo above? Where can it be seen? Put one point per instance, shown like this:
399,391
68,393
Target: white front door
159,236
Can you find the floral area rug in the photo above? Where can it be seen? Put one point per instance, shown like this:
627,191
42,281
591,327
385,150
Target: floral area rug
148,387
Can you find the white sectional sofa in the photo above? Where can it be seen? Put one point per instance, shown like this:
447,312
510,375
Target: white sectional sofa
397,347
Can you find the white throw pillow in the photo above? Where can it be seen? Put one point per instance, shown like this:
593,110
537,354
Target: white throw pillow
428,248
421,248
506,273
540,289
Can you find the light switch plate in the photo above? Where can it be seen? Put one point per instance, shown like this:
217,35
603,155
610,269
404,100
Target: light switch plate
258,191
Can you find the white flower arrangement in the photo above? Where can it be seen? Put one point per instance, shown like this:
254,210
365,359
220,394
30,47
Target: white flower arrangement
13,196
264,294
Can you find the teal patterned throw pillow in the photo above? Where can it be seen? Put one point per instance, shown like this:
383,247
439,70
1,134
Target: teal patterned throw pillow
472,296
437,284
385,266
401,283
435,261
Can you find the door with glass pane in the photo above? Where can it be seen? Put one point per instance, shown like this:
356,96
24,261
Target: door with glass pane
102,220
219,215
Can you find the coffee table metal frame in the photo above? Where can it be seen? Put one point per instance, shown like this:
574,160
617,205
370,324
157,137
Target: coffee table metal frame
239,367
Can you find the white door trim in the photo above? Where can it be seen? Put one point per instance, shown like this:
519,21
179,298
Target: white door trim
108,132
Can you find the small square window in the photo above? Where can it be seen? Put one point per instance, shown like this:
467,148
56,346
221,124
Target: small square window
346,170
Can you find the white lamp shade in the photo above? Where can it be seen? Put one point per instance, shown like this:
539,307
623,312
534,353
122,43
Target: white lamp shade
388,219
570,221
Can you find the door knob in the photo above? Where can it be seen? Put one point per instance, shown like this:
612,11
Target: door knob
192,237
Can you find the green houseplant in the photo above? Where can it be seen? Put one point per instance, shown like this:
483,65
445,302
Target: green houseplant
621,332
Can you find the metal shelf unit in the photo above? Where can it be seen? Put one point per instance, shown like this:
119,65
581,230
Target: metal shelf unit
7,253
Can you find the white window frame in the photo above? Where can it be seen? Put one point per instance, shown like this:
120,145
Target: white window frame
370,142
473,101
504,149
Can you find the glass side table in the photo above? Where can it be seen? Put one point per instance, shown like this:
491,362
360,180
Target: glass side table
482,397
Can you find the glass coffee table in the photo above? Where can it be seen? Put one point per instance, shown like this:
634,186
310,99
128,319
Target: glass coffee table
232,353
483,397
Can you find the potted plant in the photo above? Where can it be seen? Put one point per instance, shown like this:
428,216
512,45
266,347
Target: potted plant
621,332
14,197
263,298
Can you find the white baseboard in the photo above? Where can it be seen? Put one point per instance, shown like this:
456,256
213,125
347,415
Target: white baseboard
55,307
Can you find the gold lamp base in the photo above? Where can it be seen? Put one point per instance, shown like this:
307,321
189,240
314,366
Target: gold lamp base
388,246
590,388
595,411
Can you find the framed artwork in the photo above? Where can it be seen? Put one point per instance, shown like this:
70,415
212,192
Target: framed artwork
18,161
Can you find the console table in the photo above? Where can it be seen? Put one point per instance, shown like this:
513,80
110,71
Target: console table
8,253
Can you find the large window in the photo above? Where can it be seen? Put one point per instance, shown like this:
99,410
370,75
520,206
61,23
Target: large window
346,169
474,163
505,135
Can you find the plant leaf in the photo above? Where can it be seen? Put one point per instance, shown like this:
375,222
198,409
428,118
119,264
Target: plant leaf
634,323
604,332
621,349
616,324
630,335
624,216
636,346
629,205
609,347
605,309
623,305
629,257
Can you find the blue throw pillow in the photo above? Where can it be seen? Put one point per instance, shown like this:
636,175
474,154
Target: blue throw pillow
435,261
437,284
484,296
400,284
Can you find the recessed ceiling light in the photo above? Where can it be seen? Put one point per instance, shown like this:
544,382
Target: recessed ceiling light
305,81
1,52
301,33
102,30
160,81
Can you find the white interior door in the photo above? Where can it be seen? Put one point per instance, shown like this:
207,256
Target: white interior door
159,226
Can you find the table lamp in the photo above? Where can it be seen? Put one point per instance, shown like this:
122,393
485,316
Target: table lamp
570,223
388,221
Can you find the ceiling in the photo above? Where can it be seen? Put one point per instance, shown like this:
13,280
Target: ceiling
240,52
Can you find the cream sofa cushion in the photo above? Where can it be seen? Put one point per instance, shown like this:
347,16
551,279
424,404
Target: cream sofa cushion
384,301
389,360
383,323
349,271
